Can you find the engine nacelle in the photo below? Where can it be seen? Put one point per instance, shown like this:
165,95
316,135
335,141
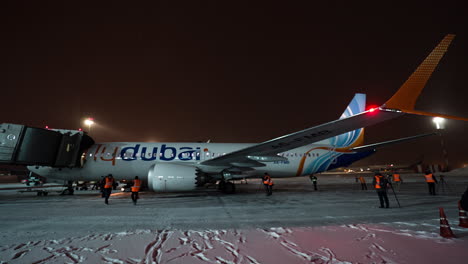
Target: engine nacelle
169,177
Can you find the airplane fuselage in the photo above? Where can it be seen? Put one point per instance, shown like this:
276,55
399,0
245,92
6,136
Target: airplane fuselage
125,160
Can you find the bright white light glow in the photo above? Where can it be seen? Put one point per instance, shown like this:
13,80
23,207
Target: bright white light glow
439,122
89,121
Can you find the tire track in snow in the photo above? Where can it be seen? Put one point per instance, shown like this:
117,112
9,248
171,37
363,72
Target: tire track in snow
288,245
20,254
19,246
43,260
153,251
112,261
297,251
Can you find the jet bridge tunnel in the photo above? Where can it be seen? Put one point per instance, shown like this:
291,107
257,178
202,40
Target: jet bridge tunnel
23,145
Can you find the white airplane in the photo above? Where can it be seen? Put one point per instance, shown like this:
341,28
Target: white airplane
187,166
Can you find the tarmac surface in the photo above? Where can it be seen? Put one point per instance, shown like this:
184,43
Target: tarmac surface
339,202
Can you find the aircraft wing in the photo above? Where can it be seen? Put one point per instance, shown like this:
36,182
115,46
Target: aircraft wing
267,151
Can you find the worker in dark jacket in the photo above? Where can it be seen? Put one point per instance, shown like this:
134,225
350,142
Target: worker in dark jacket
431,182
135,189
268,183
313,178
109,183
464,200
397,180
380,184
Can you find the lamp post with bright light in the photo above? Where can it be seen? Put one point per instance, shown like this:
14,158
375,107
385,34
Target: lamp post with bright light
89,122
440,125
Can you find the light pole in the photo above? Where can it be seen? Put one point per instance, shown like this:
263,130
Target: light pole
440,125
89,122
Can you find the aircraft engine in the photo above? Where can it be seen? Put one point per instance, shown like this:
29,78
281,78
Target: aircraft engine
168,177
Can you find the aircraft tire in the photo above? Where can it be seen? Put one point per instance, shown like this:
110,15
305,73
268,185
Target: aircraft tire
67,192
230,188
222,185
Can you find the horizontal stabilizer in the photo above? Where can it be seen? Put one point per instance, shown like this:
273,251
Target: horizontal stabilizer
416,112
390,142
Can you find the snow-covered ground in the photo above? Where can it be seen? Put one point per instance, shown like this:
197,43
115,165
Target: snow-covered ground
337,224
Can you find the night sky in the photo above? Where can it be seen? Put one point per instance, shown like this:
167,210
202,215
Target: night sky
187,71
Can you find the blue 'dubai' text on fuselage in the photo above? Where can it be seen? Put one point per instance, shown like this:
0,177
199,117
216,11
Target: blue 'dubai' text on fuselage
131,153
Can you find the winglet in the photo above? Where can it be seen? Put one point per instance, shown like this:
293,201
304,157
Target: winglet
405,98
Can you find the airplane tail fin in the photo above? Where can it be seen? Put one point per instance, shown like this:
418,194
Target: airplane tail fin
356,137
356,106
405,98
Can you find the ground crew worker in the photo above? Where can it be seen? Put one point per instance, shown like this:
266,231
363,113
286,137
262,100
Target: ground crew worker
268,183
431,182
363,183
380,184
313,178
397,180
109,182
135,189
464,200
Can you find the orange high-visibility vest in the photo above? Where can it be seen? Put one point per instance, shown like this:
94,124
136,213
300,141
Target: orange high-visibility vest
109,182
361,179
429,178
396,177
267,180
377,182
136,185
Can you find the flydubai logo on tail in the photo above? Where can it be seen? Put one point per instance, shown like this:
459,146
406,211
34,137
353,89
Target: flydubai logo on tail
355,137
340,144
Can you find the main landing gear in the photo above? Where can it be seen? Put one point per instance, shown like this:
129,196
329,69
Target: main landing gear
69,189
226,187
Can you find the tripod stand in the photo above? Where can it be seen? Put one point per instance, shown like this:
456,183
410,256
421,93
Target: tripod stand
443,185
394,194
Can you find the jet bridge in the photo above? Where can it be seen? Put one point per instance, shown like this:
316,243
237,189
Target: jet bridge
23,145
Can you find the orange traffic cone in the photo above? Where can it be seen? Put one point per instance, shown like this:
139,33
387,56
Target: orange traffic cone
445,230
463,217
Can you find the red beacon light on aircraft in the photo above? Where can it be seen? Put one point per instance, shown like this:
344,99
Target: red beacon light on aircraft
372,109
46,127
